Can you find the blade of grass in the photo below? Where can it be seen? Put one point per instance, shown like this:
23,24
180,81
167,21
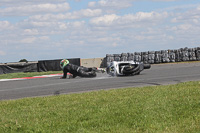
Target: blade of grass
171,108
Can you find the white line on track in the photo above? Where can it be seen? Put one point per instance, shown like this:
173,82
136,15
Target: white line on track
1,80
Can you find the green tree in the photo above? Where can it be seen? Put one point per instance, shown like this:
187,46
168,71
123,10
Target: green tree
23,60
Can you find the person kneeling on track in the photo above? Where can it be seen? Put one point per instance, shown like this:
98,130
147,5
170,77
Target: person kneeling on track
76,70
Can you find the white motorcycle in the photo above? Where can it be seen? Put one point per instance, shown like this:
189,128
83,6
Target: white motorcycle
126,68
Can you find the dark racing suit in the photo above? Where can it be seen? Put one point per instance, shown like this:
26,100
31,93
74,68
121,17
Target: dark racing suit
78,71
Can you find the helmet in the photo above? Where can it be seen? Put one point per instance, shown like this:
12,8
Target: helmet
63,63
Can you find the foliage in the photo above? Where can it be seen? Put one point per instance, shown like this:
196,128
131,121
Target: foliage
23,60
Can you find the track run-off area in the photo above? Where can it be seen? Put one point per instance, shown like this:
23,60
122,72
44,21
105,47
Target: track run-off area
159,74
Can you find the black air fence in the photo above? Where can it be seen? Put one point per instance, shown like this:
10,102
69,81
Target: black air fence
40,66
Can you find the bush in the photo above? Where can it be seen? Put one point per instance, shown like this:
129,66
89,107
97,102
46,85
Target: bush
23,60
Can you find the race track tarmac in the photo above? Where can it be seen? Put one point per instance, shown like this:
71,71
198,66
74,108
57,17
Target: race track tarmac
161,74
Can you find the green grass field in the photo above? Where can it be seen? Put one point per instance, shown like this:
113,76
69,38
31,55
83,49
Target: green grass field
171,108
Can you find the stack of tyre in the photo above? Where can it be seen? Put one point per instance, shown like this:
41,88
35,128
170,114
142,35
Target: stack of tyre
124,57
158,57
145,57
191,54
151,57
177,55
155,57
197,53
172,55
138,57
109,59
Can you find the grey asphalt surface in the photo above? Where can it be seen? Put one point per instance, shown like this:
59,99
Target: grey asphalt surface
161,74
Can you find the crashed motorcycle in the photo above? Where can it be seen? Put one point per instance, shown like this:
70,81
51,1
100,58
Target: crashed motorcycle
126,68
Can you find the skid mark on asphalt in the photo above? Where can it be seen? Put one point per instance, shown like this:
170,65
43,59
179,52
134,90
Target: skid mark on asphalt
140,82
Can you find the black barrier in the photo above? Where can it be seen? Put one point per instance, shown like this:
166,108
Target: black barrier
41,66
21,67
54,65
48,65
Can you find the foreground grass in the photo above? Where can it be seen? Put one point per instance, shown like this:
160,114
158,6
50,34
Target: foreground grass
28,74
171,108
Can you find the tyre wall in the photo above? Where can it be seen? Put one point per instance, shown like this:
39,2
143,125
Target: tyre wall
156,57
